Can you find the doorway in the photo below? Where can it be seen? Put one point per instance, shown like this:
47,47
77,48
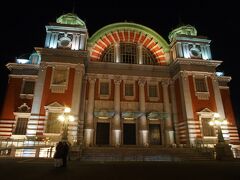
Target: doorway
155,134
129,134
102,134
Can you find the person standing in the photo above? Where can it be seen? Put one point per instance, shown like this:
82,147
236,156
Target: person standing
58,162
65,150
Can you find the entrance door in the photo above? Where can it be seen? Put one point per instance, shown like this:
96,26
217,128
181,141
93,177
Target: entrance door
102,135
129,134
155,134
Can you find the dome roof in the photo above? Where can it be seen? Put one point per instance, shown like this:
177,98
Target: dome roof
71,19
182,30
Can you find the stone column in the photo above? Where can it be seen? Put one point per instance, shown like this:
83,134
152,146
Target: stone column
143,124
47,40
168,127
82,41
139,51
89,125
174,112
116,125
187,108
37,100
218,97
117,52
76,99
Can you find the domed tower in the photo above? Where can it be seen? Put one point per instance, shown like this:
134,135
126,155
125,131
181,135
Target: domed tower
186,44
60,77
69,32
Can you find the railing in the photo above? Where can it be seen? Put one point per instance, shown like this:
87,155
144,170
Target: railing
26,148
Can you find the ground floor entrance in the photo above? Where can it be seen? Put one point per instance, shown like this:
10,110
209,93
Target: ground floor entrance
155,134
102,133
129,134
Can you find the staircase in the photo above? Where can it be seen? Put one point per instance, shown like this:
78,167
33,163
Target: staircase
146,154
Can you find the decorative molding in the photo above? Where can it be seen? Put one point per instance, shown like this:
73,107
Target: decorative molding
104,114
131,115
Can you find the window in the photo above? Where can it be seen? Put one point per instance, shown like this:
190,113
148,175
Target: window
59,77
104,88
148,57
28,87
129,90
108,55
152,91
128,53
21,126
206,128
53,124
201,85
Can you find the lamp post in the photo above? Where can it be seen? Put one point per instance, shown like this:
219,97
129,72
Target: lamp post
223,150
217,122
65,118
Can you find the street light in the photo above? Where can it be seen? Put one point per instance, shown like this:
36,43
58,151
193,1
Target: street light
223,150
65,118
217,122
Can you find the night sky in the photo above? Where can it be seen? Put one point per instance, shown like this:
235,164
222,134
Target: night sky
23,26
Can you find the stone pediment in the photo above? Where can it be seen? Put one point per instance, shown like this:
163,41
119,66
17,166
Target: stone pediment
54,106
206,110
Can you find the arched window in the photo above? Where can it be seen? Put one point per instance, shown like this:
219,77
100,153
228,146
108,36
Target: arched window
108,55
148,57
128,53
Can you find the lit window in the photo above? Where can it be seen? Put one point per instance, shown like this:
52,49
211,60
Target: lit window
207,129
104,88
152,91
21,126
201,85
129,90
53,124
128,53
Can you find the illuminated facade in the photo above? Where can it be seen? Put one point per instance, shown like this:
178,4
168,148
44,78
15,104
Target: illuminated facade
125,85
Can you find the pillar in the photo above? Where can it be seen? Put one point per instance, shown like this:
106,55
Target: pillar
117,52
168,127
82,41
143,125
89,125
139,51
116,125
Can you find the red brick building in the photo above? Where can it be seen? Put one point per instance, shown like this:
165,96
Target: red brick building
125,85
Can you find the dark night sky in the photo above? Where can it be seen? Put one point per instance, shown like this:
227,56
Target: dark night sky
23,26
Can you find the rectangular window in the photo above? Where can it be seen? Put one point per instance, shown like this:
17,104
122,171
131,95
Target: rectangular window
207,129
28,87
200,85
129,90
53,124
21,126
59,77
104,88
152,91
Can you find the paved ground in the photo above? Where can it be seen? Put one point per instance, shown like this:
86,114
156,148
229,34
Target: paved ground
41,169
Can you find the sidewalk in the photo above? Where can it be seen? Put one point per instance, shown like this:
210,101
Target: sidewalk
43,169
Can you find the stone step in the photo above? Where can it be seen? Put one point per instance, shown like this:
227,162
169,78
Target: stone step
144,154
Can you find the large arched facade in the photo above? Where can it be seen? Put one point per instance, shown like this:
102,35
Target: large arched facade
144,43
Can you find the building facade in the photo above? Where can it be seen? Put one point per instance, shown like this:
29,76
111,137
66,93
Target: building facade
125,85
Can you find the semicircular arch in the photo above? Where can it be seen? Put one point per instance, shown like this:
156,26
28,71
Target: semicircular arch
131,33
